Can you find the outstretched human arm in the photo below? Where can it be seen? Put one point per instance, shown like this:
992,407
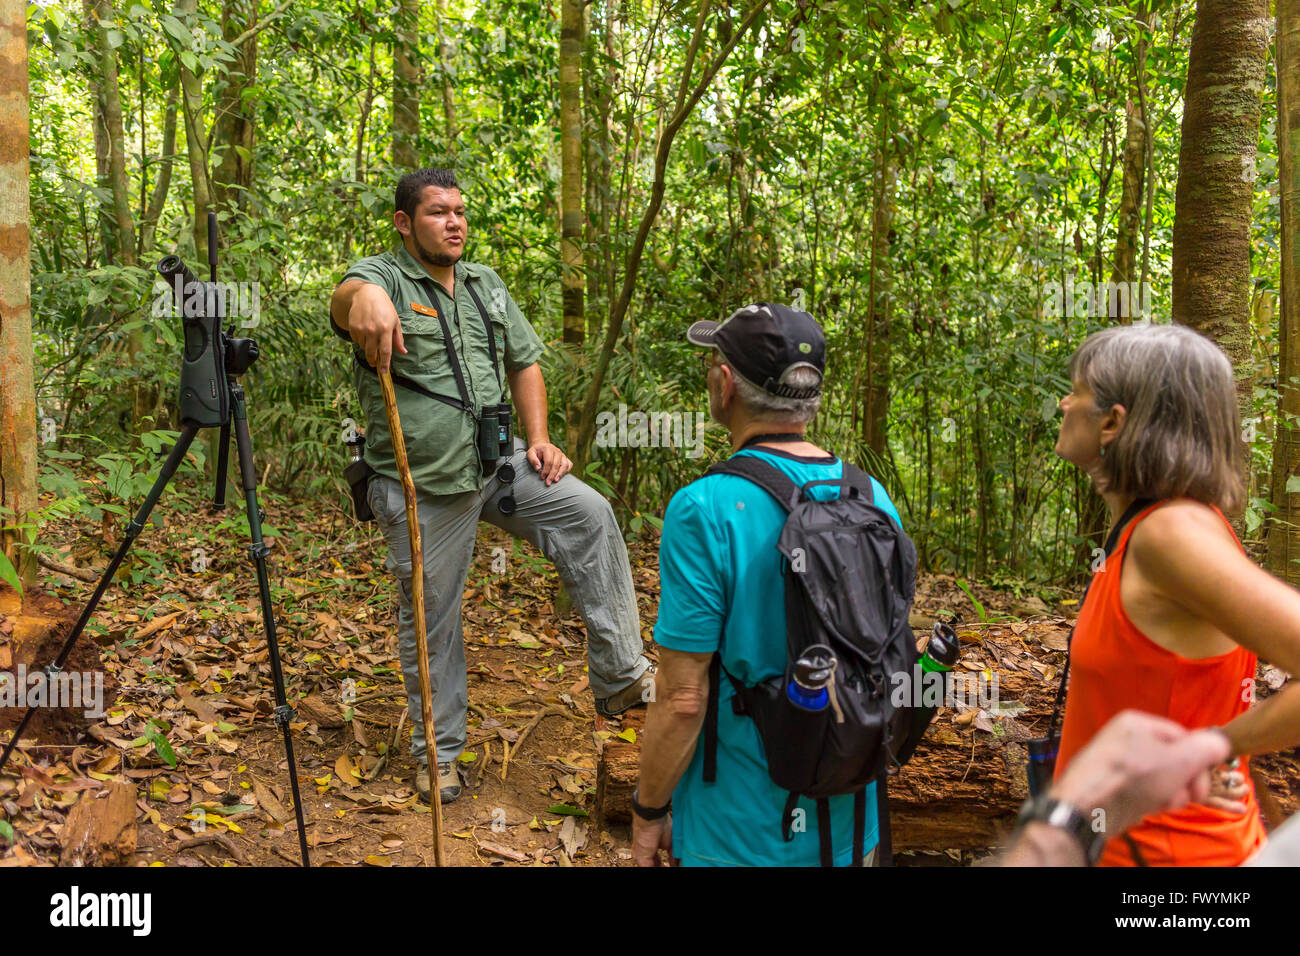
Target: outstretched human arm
1187,555
1136,765
528,389
366,312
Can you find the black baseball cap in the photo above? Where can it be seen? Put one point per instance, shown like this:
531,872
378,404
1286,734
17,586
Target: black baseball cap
763,343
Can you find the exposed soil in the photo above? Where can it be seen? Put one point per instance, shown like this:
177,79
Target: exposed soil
190,719
33,629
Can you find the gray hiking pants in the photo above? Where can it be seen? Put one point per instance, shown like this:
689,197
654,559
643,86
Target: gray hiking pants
573,526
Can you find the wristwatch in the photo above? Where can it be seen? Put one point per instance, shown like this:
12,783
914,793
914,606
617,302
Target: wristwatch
649,813
1059,814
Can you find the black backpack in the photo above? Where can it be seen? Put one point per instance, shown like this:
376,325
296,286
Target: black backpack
850,574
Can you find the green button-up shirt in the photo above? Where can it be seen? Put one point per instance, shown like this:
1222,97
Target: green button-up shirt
440,439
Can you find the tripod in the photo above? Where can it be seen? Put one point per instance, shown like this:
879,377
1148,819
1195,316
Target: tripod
213,359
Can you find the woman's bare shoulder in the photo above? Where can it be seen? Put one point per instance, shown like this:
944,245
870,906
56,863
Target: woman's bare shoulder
1181,523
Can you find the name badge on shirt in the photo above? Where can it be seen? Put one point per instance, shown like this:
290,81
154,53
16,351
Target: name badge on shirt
423,309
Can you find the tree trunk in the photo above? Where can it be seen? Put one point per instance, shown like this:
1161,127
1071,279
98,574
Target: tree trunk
571,264
448,91
604,187
234,125
18,488
363,121
1284,530
875,393
104,218
123,222
687,97
1124,268
196,141
1216,174
149,222
407,80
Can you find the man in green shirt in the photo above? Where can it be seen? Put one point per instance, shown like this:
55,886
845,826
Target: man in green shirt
423,314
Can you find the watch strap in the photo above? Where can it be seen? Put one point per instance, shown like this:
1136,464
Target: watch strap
649,813
1067,818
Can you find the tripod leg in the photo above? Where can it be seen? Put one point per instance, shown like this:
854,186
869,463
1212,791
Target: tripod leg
259,551
223,462
133,528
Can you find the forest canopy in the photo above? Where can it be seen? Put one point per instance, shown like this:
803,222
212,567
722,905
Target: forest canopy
959,191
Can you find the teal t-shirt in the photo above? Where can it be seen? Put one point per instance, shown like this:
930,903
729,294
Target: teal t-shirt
721,586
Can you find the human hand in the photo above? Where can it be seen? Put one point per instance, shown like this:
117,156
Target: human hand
1140,764
1228,789
651,836
374,325
552,463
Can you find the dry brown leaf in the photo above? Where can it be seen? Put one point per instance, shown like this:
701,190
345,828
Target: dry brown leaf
268,802
346,771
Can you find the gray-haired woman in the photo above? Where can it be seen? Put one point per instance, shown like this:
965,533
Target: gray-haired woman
1177,615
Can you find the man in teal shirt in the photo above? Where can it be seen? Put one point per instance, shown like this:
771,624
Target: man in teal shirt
721,589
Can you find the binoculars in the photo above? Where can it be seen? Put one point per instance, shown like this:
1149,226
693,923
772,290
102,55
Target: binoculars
495,434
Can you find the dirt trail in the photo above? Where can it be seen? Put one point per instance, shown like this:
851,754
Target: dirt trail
190,723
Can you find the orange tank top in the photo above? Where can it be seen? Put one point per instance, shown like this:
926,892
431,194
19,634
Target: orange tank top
1114,667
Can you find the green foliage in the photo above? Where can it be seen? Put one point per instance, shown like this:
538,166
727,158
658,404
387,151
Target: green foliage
1001,128
155,733
9,574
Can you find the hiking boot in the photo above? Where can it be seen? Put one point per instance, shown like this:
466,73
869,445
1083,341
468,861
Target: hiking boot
636,694
448,782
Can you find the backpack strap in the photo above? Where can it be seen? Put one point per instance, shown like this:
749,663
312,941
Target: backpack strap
787,494
859,479
852,479
885,848
859,826
711,720
770,479
824,832
787,816
738,706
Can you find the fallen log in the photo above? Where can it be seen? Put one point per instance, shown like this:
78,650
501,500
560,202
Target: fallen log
101,829
964,785
616,773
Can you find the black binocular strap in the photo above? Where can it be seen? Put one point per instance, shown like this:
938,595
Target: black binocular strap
464,403
403,382
1112,540
1133,848
451,351
492,339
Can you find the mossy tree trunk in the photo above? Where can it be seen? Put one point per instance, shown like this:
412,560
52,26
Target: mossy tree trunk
1284,532
1216,177
18,488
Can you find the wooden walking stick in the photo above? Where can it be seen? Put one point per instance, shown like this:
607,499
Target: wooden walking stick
417,600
